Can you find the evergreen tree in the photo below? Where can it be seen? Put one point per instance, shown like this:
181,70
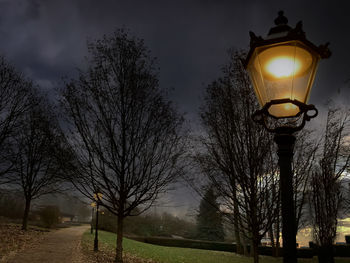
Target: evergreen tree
209,219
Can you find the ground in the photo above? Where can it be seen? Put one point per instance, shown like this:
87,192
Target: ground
138,252
75,245
13,239
58,246
106,253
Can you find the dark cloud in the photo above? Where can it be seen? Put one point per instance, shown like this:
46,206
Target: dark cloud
32,10
46,39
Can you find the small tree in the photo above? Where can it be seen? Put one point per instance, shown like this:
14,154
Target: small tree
35,153
326,199
237,155
304,157
14,93
126,137
305,152
209,218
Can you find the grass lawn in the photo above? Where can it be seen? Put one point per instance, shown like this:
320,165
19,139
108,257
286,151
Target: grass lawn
179,255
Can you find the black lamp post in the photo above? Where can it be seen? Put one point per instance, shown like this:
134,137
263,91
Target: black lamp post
282,68
93,205
97,197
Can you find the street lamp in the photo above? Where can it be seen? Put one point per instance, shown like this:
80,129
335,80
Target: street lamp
282,69
93,205
97,197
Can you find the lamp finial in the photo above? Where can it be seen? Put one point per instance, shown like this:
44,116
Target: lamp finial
281,19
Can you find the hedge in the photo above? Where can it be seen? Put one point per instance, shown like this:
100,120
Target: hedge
338,250
188,243
218,246
347,240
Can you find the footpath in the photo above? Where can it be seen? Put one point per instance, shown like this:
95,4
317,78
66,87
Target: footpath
59,246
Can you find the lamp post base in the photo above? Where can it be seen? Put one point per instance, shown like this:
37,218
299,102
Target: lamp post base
92,217
95,245
285,144
96,230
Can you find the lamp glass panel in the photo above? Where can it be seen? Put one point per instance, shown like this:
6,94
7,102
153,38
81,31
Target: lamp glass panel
283,71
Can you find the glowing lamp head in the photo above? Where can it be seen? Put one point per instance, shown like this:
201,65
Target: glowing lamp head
283,71
283,66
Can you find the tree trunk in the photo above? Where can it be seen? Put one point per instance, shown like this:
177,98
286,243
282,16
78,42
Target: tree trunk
242,237
255,245
26,214
119,250
277,251
239,249
252,247
245,244
272,238
92,221
96,228
325,254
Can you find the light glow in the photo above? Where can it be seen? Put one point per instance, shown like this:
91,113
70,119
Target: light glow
283,71
289,106
283,67
284,109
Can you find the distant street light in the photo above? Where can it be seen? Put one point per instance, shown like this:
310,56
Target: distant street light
93,205
282,68
97,197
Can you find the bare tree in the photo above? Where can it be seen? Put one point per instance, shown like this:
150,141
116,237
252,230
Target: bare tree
238,157
304,158
326,196
14,91
127,137
35,152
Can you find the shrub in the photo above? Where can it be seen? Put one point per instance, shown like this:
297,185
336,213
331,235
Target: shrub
218,246
305,253
49,215
11,206
347,240
188,243
341,251
164,225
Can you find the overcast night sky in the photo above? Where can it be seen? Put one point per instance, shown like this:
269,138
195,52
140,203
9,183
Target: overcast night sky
46,39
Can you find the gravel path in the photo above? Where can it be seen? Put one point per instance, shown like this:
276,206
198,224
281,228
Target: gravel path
59,246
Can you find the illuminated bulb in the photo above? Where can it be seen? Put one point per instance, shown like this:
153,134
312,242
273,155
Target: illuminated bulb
289,106
283,62
282,67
